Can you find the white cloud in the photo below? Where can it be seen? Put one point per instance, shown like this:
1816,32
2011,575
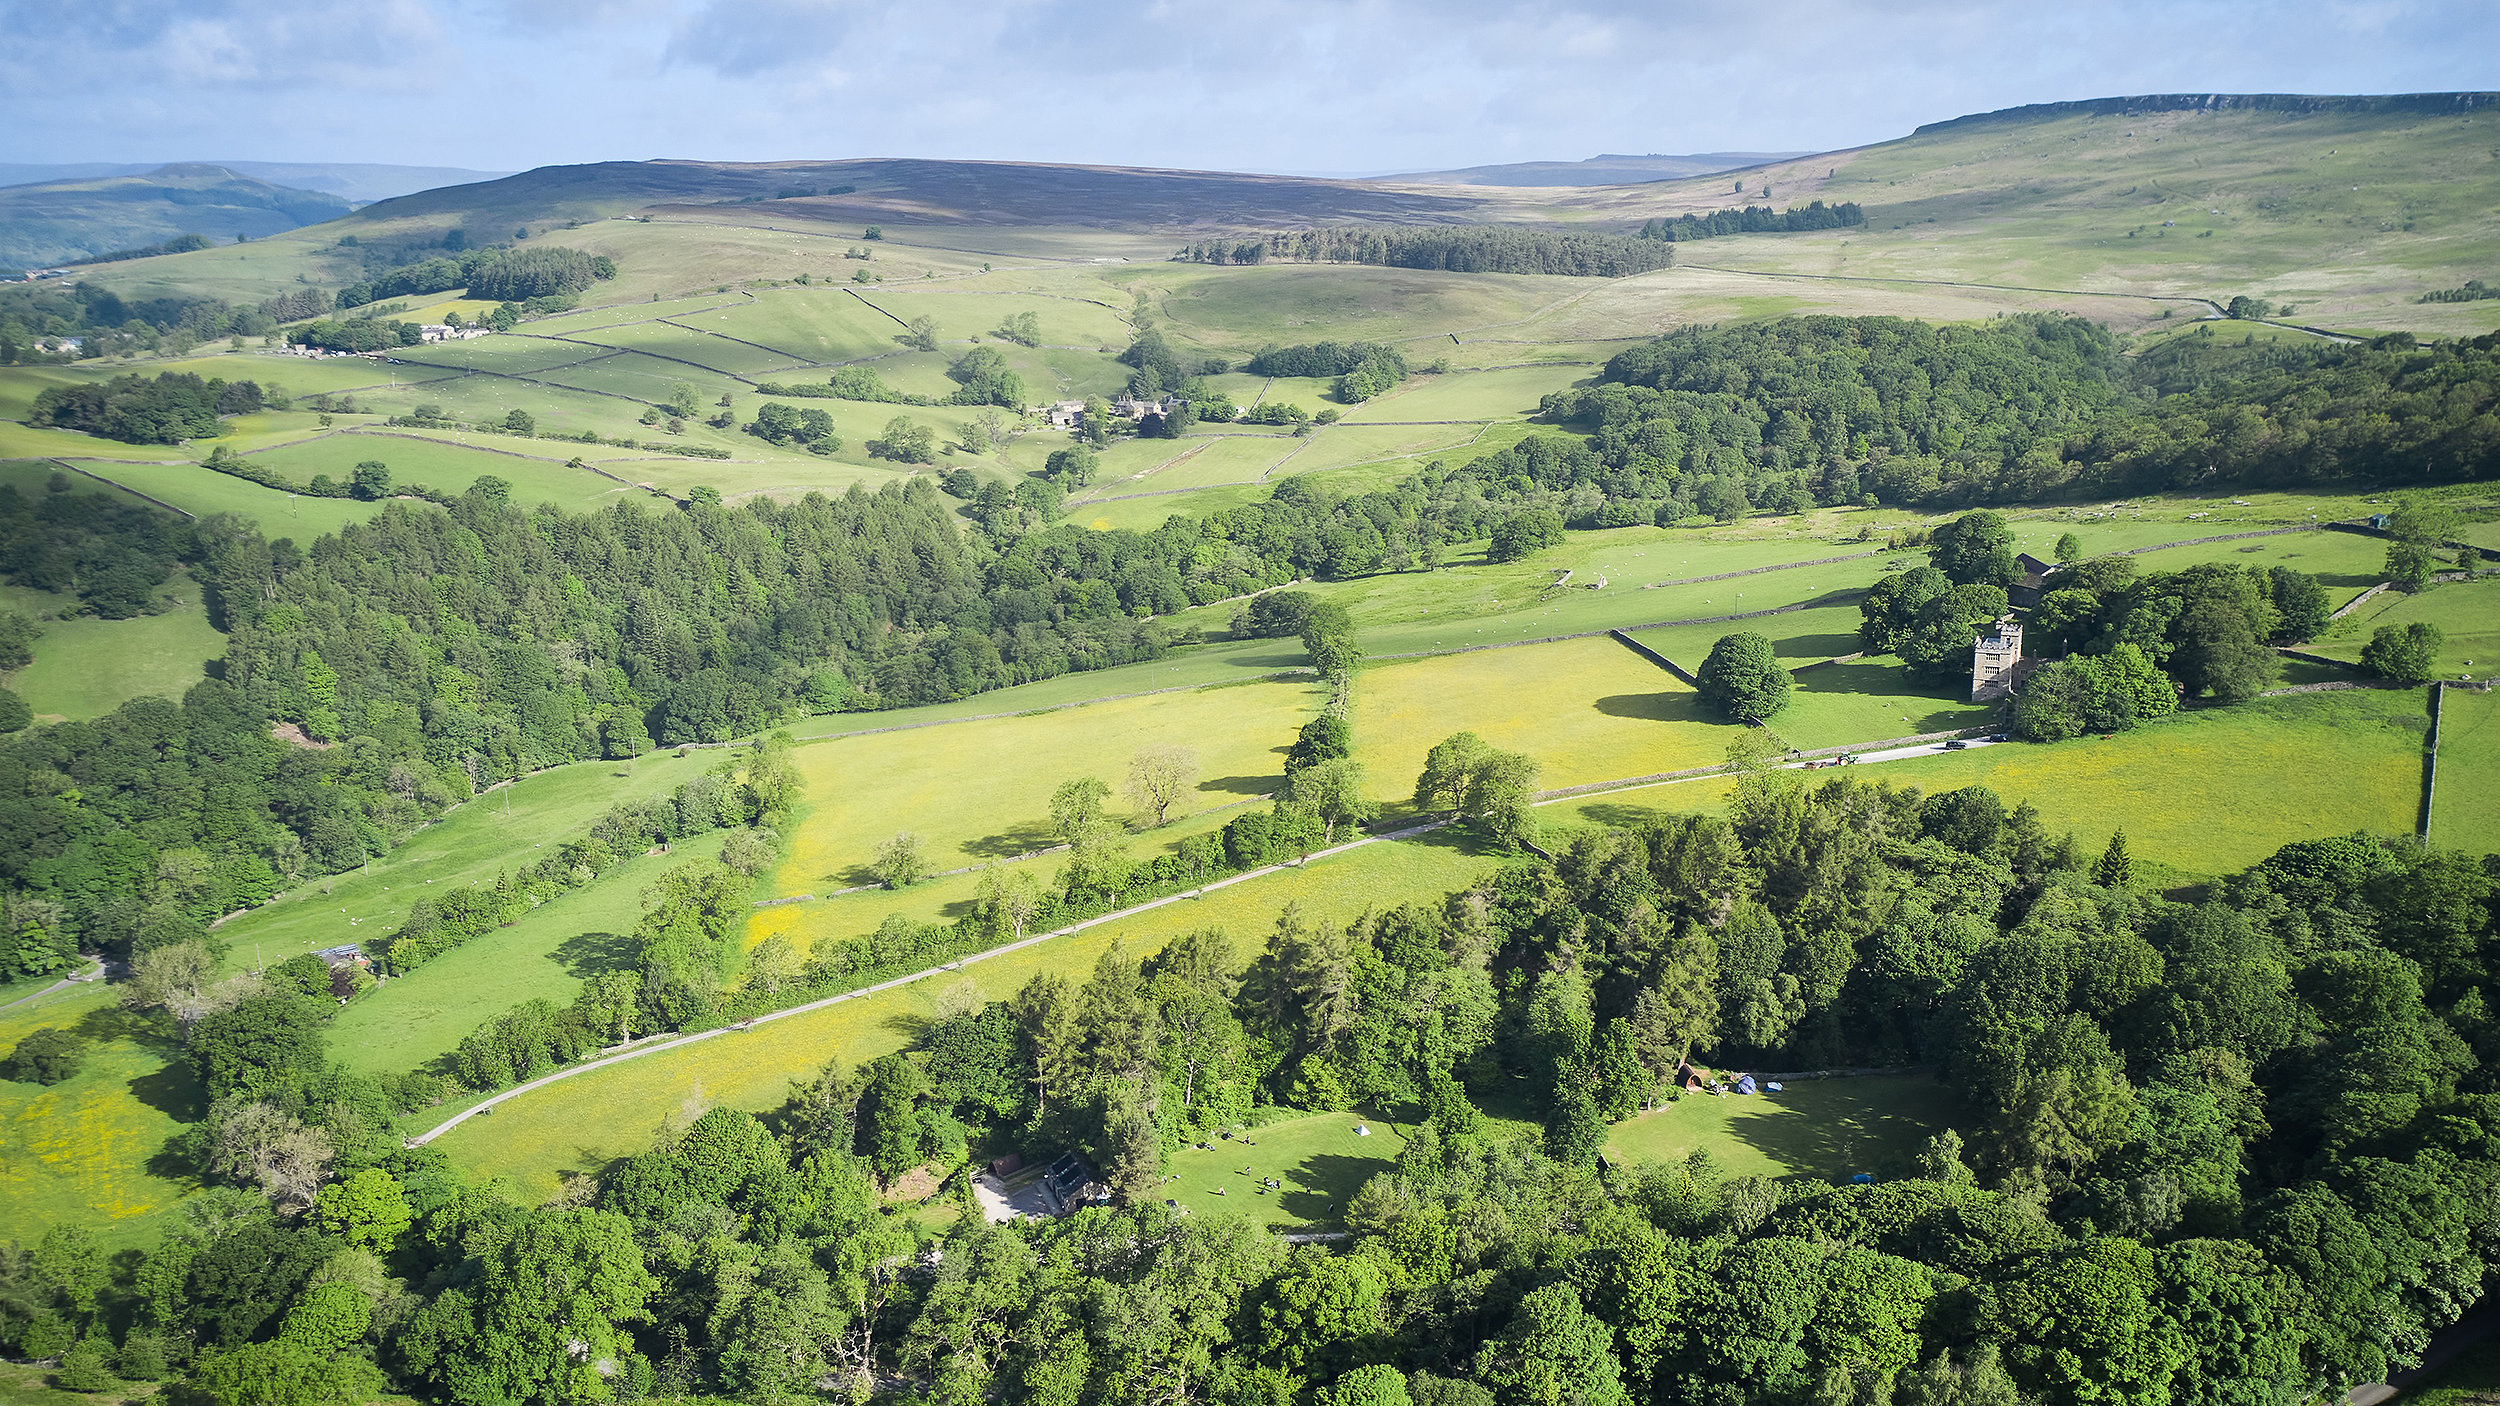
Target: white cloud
1290,84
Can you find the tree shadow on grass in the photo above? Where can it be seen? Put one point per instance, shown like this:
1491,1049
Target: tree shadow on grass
1320,1187
1830,1130
172,1090
1679,706
1242,785
1008,843
114,1025
1623,817
1812,647
591,953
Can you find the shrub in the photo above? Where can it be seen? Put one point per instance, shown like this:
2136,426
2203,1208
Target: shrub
48,1056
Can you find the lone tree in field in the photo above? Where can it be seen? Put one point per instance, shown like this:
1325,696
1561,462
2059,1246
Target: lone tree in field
1743,680
1158,777
899,863
1975,549
905,441
1465,776
919,334
2403,653
2069,549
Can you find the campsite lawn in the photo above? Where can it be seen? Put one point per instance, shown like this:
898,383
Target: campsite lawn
1587,710
1321,1159
1825,1128
531,1140
2465,810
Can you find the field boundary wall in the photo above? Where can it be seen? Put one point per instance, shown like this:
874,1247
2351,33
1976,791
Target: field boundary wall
1654,657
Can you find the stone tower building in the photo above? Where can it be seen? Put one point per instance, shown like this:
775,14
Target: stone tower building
1996,661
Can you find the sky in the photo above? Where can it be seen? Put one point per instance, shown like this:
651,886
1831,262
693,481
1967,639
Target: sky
1303,86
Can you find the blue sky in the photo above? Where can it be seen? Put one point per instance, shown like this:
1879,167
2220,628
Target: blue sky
1361,86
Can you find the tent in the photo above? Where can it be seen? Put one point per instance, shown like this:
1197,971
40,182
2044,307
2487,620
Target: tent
1744,1083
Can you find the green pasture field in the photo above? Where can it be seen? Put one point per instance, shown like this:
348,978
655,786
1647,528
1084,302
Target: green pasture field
946,784
81,1151
2465,809
1239,310
200,491
636,376
2345,563
1197,461
446,466
2205,793
1797,636
1337,446
1321,1159
1472,602
1190,666
23,441
1469,395
1824,1129
516,353
407,1020
2350,216
2216,790
689,340
531,1140
963,313
86,667
1587,710
1870,700
811,326
470,844
955,896
2466,612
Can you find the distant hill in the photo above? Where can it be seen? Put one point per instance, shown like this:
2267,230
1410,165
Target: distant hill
53,222
356,182
1596,171
913,190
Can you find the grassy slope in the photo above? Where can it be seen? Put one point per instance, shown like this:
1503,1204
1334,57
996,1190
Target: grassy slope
80,1150
1587,710
407,1020
946,785
532,1139
2204,793
2463,813
2350,216
2467,614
